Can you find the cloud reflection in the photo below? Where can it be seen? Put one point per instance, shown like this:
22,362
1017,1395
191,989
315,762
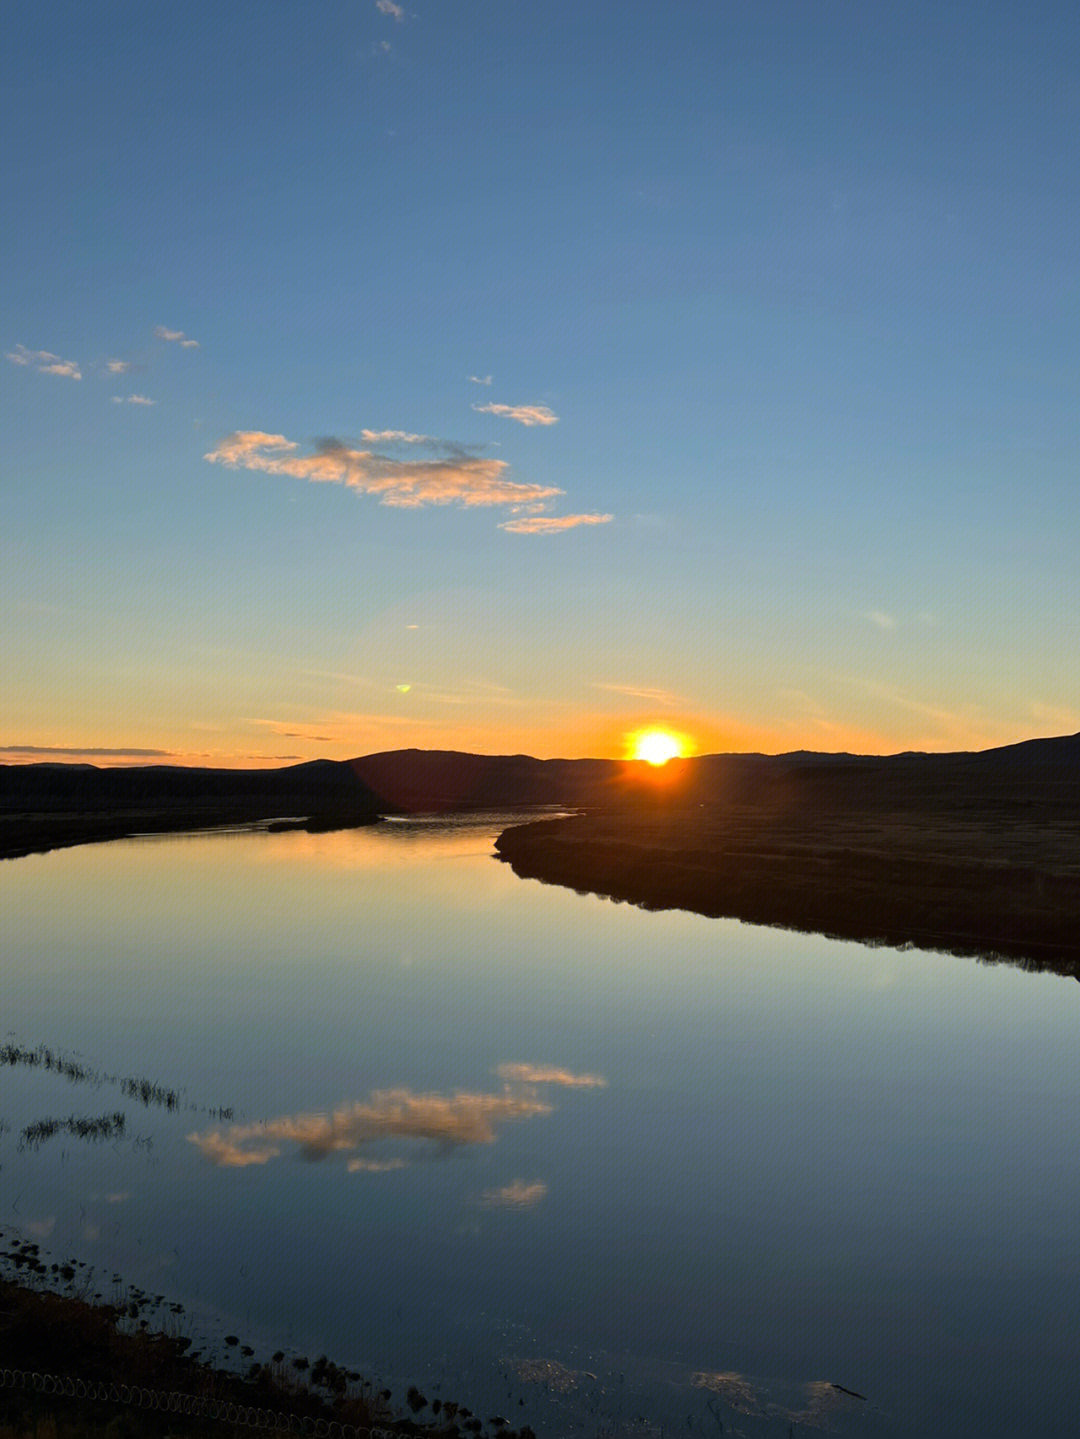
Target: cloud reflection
447,1121
548,1074
515,1195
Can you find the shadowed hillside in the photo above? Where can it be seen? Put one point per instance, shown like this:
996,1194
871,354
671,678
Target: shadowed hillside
974,853
43,806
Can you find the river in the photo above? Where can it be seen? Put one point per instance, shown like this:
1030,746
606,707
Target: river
588,1167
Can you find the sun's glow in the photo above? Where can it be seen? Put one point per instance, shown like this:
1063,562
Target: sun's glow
655,746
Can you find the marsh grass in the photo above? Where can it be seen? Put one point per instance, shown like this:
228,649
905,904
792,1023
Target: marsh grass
146,1092
103,1126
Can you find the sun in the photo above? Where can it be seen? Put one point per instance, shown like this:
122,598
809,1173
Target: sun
655,746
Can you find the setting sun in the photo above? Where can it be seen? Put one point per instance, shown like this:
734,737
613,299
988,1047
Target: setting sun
655,746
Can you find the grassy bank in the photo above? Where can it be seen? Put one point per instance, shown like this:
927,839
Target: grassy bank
985,880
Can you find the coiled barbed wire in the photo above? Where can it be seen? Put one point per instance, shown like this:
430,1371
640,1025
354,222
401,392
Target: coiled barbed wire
196,1406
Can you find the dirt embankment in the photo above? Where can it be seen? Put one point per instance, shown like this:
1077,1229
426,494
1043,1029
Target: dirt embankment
1001,880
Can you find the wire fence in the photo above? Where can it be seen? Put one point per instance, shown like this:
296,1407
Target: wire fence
194,1406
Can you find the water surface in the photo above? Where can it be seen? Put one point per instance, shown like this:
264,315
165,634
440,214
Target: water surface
807,1163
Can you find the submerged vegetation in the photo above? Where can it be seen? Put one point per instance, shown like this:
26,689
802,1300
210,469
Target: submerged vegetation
128,1371
143,1091
104,1126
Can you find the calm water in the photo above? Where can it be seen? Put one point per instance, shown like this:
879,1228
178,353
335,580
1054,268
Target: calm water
807,1163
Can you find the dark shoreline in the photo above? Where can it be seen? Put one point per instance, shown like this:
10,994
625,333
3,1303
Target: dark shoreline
52,806
124,1377
24,835
999,884
973,853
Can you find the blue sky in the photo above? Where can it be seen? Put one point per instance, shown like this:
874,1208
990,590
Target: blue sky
775,304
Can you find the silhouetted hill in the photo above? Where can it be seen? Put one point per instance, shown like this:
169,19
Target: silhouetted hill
417,780
302,788
974,852
45,805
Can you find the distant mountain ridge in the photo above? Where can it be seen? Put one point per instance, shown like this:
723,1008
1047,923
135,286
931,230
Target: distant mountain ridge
412,781
316,786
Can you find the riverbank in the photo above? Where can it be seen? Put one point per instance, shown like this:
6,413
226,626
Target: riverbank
76,1367
51,806
26,834
993,879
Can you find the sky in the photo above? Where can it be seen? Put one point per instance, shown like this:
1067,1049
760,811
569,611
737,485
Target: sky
502,376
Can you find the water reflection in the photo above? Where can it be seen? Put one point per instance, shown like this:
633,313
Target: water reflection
811,1160
94,1128
548,1074
516,1195
445,1121
817,1404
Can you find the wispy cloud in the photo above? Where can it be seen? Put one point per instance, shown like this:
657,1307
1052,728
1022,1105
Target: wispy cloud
117,367
387,7
642,692
463,479
395,437
551,524
86,752
524,414
132,755
1064,719
965,728
132,400
304,734
549,1074
176,337
515,1195
881,619
45,362
481,379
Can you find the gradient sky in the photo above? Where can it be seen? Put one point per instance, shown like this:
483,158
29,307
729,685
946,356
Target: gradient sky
502,376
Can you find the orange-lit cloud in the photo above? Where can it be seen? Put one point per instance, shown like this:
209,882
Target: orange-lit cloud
551,524
524,414
463,479
549,1074
388,7
176,337
515,1195
45,362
